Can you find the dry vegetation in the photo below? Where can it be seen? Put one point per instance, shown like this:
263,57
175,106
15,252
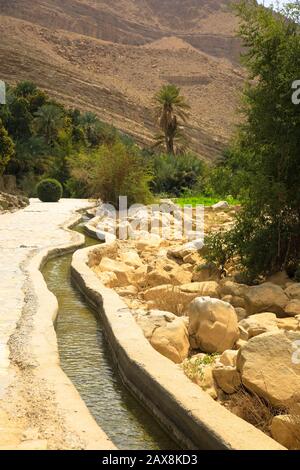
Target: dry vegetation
172,301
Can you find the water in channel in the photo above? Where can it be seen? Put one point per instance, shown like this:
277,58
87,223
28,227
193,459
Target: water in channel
86,359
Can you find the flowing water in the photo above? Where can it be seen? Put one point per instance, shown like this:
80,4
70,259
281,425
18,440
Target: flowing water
86,359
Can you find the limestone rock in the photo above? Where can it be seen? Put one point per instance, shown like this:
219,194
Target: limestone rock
206,272
240,343
120,269
229,357
109,279
220,206
131,258
243,333
260,323
293,308
241,313
293,291
202,289
267,366
172,340
151,320
289,324
193,258
227,378
157,277
180,276
266,297
238,302
167,291
182,251
233,288
148,240
127,291
281,279
286,431
213,325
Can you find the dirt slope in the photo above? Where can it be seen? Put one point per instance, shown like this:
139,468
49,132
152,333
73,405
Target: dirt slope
111,56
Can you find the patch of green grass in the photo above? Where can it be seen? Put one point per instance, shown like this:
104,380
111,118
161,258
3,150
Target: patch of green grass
205,201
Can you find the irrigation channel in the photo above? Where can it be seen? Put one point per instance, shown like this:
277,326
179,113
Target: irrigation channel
86,359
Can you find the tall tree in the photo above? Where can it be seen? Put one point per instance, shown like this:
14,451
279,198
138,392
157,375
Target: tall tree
6,148
267,234
171,112
49,119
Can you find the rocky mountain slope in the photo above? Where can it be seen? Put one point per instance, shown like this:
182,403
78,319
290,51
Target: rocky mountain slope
111,56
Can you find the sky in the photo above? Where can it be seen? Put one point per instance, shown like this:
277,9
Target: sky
269,2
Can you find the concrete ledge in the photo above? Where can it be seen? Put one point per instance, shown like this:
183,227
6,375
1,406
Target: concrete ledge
44,348
183,409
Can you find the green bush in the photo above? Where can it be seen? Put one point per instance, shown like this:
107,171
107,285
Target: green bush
49,190
266,236
111,171
176,174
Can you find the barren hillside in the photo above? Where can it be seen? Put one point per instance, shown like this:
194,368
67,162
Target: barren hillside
111,57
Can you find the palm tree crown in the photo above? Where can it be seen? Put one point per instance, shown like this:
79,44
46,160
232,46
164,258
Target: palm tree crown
171,107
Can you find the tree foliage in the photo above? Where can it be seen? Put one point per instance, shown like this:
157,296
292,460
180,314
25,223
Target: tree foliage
171,112
6,148
111,171
267,233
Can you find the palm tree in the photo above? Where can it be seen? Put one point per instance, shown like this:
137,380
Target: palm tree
49,119
171,108
89,123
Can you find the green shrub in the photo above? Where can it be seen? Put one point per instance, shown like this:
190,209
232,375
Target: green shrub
111,171
49,190
176,174
218,249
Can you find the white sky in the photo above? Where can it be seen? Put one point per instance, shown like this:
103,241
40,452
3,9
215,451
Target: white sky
270,2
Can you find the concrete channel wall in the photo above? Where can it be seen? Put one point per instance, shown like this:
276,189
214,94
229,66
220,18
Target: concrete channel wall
71,405
182,408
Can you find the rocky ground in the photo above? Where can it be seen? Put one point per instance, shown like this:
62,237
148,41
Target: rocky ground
240,343
11,202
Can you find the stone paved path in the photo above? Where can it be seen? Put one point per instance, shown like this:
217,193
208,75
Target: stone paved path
25,234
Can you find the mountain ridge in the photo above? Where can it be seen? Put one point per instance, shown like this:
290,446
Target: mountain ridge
114,67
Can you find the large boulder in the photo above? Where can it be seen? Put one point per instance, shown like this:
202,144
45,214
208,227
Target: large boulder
260,323
293,308
268,367
157,277
179,276
229,357
266,298
182,251
213,325
206,272
202,289
121,270
152,319
172,340
131,258
285,430
166,332
219,206
227,378
109,279
233,288
168,292
289,324
241,313
293,291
